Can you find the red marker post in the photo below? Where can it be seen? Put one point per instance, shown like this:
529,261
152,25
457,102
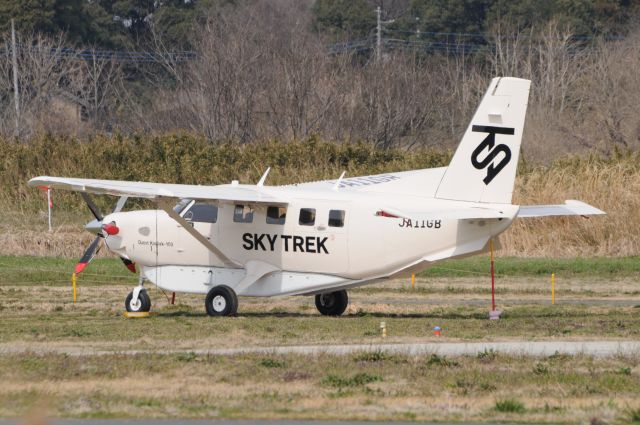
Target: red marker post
493,314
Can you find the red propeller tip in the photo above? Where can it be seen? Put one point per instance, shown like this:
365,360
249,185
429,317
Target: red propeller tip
132,267
80,267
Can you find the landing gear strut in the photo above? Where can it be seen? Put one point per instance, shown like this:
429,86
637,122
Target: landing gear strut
221,301
138,300
332,303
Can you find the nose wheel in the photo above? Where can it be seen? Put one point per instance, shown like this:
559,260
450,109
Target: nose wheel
139,303
332,303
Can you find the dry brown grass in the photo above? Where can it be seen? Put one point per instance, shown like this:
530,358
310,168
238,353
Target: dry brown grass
613,186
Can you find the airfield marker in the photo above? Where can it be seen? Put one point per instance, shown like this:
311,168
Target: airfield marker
553,288
493,314
493,279
49,203
383,329
73,283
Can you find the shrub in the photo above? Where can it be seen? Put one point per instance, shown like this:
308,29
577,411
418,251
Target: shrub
436,360
357,380
271,363
510,405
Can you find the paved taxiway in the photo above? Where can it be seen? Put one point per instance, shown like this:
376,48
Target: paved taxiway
602,348
217,422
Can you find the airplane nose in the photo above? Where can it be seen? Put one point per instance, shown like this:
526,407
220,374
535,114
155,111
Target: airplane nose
93,226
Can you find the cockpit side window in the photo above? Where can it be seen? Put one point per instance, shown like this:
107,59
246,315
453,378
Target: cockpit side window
243,214
181,205
202,213
276,215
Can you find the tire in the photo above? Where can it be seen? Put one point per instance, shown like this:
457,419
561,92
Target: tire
143,304
221,301
332,303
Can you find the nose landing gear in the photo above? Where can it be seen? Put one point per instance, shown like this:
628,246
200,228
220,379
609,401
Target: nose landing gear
138,300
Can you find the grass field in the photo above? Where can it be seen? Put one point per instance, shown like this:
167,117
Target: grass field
596,299
369,385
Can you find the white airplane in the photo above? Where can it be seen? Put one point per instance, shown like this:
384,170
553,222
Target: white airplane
320,238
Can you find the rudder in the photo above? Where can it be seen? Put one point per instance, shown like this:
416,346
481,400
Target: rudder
483,168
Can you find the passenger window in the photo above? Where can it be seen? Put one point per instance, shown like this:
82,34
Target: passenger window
243,214
202,213
336,218
307,216
276,215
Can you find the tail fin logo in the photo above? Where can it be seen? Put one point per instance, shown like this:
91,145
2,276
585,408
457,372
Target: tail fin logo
489,143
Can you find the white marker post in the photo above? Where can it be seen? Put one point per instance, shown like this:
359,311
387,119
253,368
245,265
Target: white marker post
49,206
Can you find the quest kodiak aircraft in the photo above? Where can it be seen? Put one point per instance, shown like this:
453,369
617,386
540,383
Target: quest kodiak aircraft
320,238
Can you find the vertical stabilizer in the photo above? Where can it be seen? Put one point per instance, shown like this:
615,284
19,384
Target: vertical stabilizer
483,169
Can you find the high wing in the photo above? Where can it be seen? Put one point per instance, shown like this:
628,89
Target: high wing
570,207
162,193
232,192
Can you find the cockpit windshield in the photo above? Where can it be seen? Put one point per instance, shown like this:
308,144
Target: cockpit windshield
181,205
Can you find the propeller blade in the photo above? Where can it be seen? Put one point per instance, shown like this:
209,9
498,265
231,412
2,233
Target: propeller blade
92,206
120,204
88,255
129,264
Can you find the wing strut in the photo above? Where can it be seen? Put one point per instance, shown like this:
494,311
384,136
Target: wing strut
166,206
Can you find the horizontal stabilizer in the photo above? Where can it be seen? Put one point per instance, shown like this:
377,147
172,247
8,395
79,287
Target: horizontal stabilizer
445,214
569,208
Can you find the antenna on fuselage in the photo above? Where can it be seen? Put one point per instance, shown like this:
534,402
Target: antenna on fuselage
337,185
264,177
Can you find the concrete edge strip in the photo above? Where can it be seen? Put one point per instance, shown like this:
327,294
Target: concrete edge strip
519,348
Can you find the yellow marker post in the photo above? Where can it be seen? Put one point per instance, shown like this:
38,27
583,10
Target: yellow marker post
383,329
553,288
413,281
73,283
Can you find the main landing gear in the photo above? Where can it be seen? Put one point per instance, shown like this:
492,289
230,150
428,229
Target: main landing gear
221,301
332,303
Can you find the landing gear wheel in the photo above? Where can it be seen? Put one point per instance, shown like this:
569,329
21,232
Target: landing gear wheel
332,303
221,301
143,303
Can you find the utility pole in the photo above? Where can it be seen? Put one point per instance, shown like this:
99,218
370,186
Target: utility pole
378,32
16,94
379,23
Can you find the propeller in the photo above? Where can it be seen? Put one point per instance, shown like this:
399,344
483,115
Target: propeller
99,228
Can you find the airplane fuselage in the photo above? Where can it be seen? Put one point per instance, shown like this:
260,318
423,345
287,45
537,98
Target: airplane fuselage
325,239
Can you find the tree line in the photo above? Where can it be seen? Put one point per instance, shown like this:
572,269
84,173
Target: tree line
262,72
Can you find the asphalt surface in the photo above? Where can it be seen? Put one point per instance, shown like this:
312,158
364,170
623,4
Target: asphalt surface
487,302
212,422
603,348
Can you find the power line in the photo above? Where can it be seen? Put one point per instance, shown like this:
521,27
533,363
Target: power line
109,55
454,42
